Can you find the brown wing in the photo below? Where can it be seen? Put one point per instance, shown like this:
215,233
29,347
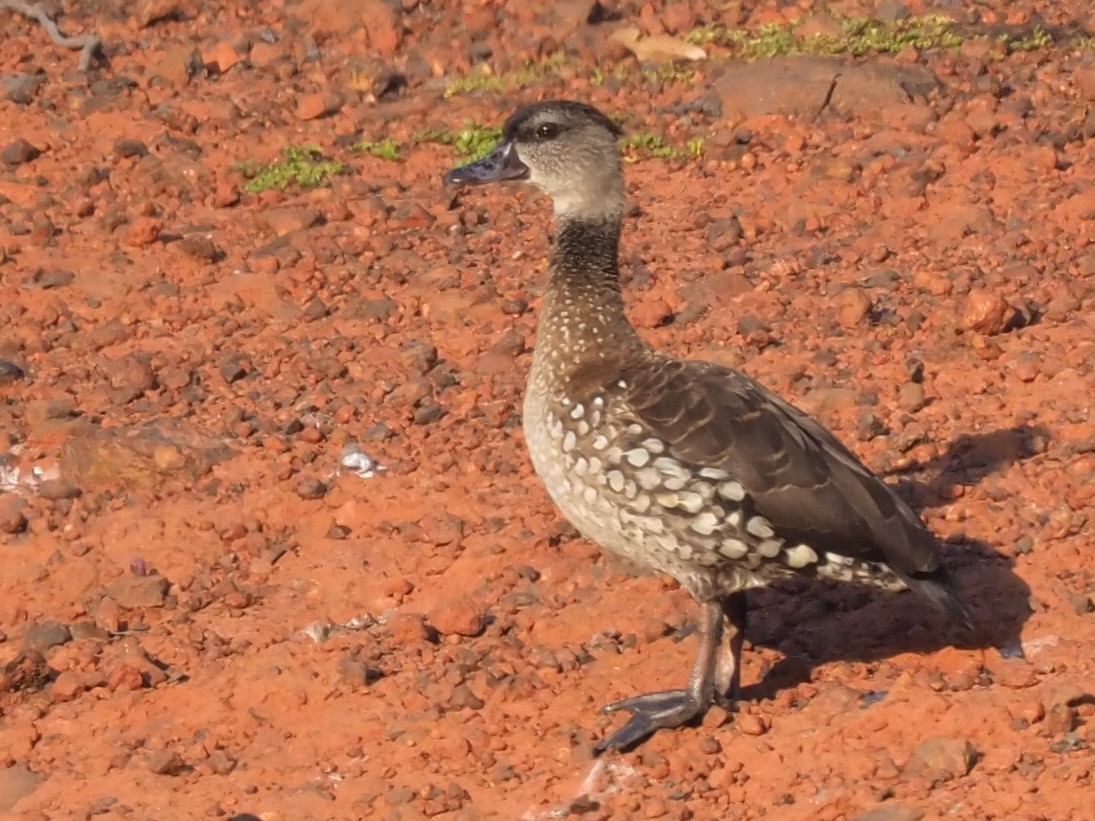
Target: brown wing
796,473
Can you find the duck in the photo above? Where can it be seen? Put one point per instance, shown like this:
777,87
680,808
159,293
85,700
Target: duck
685,467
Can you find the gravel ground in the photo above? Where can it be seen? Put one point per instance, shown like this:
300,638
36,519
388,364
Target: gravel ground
228,271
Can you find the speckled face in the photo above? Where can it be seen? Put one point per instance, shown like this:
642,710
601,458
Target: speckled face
572,155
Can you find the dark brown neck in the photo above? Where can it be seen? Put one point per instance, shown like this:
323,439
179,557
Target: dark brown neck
583,311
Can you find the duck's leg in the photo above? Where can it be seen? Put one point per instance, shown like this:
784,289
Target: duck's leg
672,708
728,666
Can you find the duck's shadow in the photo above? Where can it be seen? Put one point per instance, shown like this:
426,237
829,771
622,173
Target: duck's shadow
824,622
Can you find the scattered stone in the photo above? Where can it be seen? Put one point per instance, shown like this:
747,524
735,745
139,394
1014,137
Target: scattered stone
143,231
166,762
200,247
1060,719
315,309
428,414
130,148
67,686
223,57
464,699
942,758
140,457
178,66
910,397
311,488
264,55
133,592
751,724
51,278
21,88
986,312
234,368
314,106
895,812
16,783
355,673
221,762
27,672
283,221
12,518
41,637
853,305
10,372
407,628
56,489
153,11
803,86
88,630
19,152
42,410
458,615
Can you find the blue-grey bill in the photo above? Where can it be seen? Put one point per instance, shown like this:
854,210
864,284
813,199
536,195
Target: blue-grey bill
500,164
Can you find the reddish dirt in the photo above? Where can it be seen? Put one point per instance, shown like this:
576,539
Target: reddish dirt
200,616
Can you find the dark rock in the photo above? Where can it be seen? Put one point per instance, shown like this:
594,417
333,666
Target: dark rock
10,372
21,88
47,634
56,489
896,812
803,86
166,762
234,368
200,247
941,758
132,592
19,152
130,148
311,489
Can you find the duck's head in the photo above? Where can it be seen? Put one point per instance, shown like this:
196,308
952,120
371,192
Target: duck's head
566,149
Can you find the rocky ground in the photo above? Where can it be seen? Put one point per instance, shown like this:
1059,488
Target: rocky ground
228,272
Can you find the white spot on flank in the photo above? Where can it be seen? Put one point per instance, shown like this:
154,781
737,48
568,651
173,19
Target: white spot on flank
653,445
600,442
615,480
583,428
637,457
836,558
705,523
598,401
714,473
648,478
769,548
622,384
734,491
581,466
595,464
692,502
801,555
733,548
578,411
760,527
634,429
569,441
734,519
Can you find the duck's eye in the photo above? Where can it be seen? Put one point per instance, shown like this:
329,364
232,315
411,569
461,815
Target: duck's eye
548,131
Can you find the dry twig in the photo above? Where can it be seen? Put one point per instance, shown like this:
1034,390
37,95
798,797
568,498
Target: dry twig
89,43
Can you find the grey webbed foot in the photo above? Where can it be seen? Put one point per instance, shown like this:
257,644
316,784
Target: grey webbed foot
649,713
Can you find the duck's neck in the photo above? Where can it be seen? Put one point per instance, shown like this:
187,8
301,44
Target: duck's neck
583,316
